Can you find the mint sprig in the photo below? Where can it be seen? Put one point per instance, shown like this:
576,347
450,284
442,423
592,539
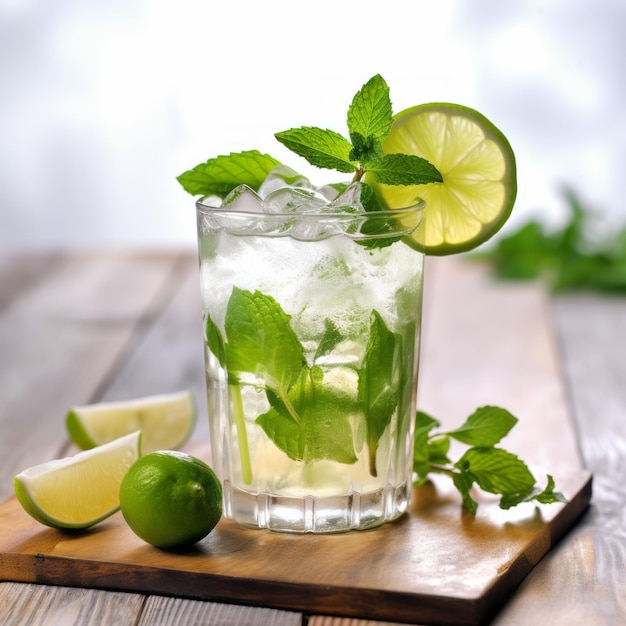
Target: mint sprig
489,467
369,121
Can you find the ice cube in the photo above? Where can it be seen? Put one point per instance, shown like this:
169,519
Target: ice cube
330,192
294,200
243,198
283,176
349,201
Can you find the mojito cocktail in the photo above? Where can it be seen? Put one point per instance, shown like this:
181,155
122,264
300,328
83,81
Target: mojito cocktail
312,313
312,305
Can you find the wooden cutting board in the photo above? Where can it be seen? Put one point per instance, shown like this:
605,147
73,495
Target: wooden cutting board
436,564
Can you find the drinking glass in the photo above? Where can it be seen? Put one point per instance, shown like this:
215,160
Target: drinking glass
311,334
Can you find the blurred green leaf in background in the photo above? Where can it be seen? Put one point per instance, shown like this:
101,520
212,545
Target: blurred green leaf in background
572,257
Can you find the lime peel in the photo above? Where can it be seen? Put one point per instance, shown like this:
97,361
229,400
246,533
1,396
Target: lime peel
166,421
171,499
81,490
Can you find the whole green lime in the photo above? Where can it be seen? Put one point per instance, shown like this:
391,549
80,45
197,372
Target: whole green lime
171,499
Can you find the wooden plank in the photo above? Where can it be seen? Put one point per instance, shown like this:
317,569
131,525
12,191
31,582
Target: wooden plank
60,339
39,605
161,611
169,355
20,272
32,340
492,343
592,329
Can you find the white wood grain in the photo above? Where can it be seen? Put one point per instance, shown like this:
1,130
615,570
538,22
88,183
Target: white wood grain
38,605
592,330
160,611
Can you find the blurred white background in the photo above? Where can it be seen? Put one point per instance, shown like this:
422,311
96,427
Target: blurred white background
104,103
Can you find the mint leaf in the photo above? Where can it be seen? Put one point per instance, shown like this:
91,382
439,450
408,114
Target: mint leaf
425,422
379,382
370,113
438,451
261,345
220,175
324,430
331,337
404,169
376,225
463,482
497,471
547,496
320,147
421,454
485,427
215,341
365,149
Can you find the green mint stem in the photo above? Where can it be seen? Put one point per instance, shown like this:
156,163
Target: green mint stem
242,435
372,447
358,175
290,408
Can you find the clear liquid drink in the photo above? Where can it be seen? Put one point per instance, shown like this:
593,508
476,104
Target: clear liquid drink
312,328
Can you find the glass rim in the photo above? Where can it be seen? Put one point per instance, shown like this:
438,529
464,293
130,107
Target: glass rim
213,209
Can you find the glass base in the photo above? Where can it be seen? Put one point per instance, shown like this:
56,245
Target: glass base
314,514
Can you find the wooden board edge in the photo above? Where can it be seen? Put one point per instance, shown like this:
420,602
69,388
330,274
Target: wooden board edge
498,594
370,604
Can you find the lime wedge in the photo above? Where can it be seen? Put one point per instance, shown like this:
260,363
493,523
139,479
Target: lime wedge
81,490
479,176
166,421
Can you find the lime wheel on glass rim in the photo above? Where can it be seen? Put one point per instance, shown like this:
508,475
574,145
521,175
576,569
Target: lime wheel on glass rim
478,169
